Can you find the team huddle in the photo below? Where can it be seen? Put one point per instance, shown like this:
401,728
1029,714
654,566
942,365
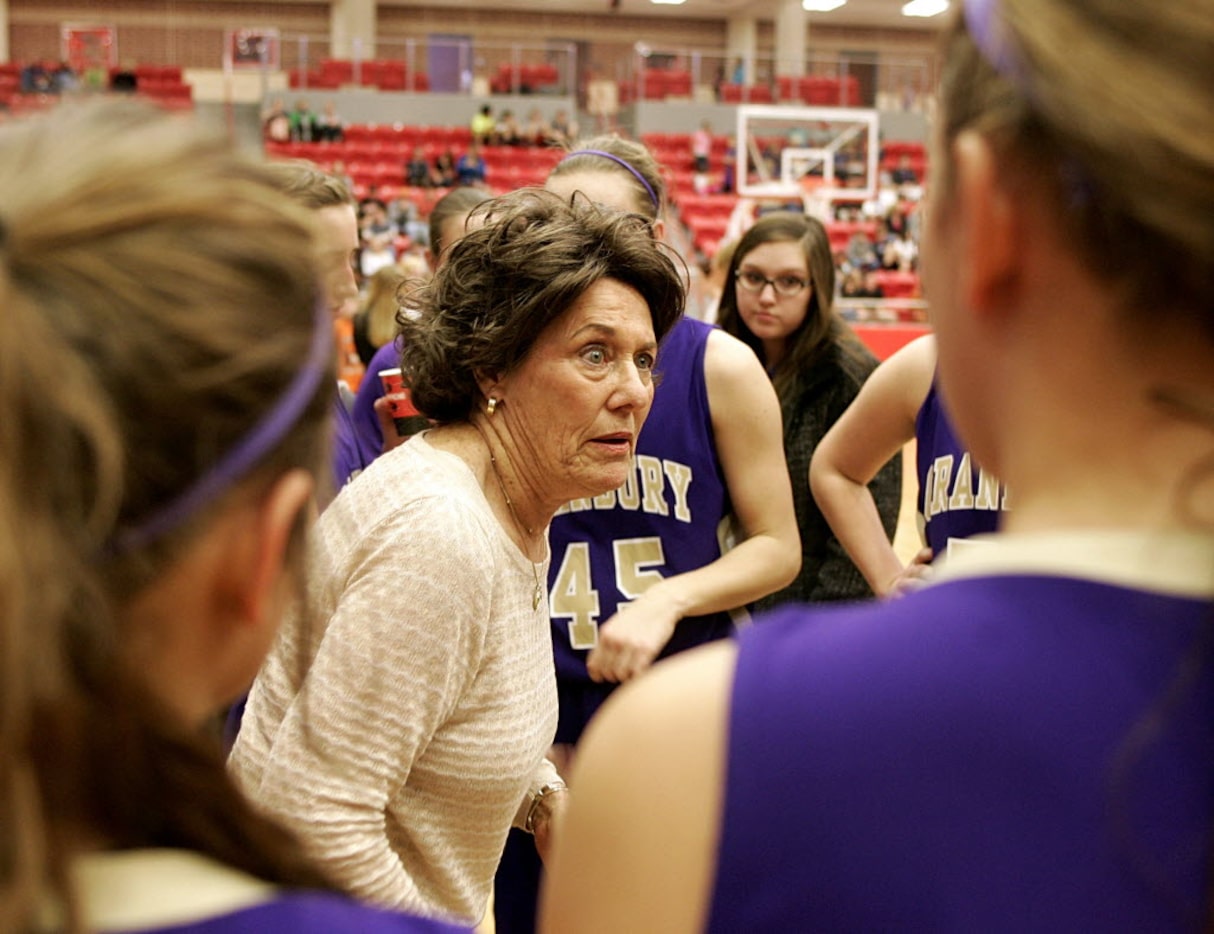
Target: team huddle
612,636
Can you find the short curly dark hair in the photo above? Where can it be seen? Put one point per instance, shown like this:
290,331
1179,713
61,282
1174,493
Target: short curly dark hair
503,283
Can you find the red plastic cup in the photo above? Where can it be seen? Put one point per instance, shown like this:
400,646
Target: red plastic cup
405,417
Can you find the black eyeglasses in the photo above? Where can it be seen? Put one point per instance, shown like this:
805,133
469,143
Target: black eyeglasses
753,281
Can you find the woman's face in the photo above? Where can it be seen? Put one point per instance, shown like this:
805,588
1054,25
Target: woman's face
338,246
770,315
578,400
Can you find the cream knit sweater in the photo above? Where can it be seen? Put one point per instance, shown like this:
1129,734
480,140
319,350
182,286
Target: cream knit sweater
400,722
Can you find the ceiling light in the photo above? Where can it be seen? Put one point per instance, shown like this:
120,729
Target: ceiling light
821,6
669,2
924,7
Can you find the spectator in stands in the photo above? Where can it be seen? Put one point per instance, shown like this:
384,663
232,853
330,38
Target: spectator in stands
899,252
852,282
35,79
563,130
536,131
404,215
870,285
160,454
507,132
376,238
445,174
303,123
64,79
276,121
470,169
779,299
729,181
701,147
897,220
861,253
375,320
483,125
418,172
123,80
903,173
329,125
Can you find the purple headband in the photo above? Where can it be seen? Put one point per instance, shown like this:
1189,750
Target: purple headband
987,29
272,428
618,161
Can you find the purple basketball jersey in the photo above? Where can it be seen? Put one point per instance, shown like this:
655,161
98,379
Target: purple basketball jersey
663,521
971,757
957,498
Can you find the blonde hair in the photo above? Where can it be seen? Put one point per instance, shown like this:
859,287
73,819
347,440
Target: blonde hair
1110,103
382,304
627,159
159,297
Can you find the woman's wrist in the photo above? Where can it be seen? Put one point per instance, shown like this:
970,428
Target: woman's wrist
541,804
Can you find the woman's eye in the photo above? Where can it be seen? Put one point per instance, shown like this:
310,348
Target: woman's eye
645,361
595,355
790,283
753,279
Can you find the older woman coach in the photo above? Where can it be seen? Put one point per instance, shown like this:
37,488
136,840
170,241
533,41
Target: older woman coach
421,657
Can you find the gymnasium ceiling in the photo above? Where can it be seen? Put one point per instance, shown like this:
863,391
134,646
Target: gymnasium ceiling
878,14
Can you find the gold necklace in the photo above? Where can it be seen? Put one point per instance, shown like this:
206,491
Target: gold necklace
526,533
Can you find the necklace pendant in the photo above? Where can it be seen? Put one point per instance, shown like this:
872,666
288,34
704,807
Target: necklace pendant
535,599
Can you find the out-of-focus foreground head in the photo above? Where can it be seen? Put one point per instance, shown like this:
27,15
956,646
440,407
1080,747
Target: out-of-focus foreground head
1107,104
162,358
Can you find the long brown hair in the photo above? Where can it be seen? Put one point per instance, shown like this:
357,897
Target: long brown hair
822,329
160,297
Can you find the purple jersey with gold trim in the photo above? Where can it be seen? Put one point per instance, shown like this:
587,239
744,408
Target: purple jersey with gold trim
665,520
986,754
957,498
309,913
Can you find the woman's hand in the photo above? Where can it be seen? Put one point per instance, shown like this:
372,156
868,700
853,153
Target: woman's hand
387,425
631,639
914,575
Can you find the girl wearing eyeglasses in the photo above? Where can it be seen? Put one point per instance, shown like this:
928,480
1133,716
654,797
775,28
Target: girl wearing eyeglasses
779,299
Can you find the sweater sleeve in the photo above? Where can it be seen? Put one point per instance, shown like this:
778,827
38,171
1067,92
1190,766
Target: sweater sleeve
837,577
399,647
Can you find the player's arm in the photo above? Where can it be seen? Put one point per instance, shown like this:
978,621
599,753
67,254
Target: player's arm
644,819
749,438
875,427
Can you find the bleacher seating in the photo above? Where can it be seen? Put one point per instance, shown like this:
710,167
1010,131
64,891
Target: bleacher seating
334,73
374,155
524,78
161,84
819,90
915,152
656,84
